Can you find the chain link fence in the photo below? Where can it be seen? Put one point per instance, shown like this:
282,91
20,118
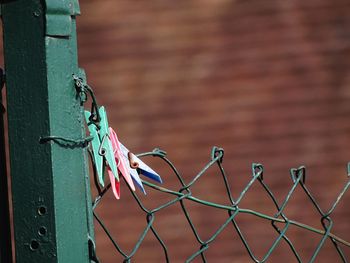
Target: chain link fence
280,223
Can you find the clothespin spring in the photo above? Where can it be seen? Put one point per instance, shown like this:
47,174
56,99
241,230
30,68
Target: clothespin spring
132,162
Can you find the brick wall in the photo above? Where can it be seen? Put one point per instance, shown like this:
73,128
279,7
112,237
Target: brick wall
267,80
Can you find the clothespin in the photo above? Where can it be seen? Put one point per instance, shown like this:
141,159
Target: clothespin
95,144
145,169
101,144
122,165
140,166
133,172
106,144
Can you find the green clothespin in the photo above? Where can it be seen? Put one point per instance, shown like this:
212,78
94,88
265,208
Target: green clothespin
95,143
101,145
106,142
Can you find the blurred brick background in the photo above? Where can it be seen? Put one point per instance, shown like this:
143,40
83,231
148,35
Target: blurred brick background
267,80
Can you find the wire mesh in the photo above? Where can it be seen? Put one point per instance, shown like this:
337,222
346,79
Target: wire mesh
233,209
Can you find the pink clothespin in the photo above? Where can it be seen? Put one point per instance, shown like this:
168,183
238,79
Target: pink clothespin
122,164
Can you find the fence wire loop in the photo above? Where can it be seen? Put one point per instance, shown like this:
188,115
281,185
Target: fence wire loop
258,171
83,89
158,152
298,173
217,153
92,250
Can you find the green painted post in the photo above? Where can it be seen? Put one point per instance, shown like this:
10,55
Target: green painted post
50,187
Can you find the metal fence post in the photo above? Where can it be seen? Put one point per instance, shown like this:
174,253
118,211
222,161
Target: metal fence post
50,191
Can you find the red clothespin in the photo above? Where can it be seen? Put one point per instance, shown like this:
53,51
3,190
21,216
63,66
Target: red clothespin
122,163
